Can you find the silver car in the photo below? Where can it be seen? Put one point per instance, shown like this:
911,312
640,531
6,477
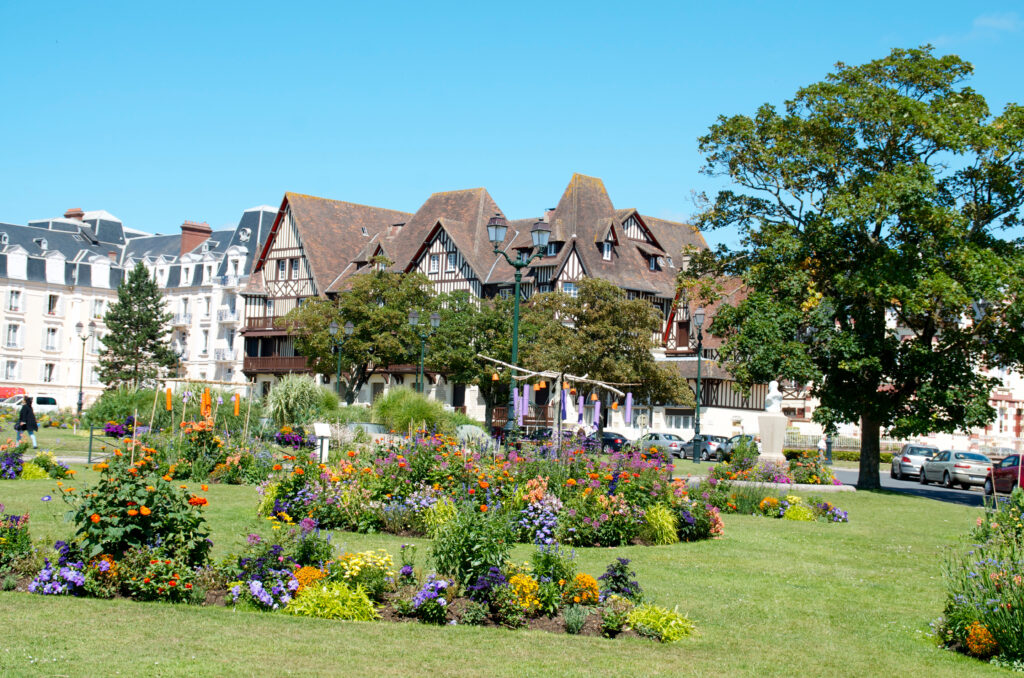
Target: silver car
908,461
957,467
666,443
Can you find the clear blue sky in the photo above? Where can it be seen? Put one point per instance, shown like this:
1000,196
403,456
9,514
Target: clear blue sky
200,110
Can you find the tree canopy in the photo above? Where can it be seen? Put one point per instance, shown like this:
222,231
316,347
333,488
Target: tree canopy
872,212
137,346
377,304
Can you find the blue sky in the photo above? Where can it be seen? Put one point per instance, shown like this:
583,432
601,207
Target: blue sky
200,110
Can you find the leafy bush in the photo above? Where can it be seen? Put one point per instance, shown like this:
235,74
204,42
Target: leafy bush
553,563
470,544
131,506
430,604
744,455
475,614
693,520
614,615
297,399
575,618
436,517
660,526
30,471
53,468
402,407
811,468
524,590
374,571
659,623
800,512
619,580
10,459
333,600
15,541
160,578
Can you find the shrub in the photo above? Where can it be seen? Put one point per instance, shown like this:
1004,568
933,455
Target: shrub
53,468
524,590
486,584
506,608
161,578
467,546
744,455
436,517
430,604
811,468
553,563
10,459
402,407
131,507
693,520
307,575
582,590
614,615
659,623
619,580
15,541
475,614
575,618
295,399
800,512
333,600
119,404
374,571
660,526
30,471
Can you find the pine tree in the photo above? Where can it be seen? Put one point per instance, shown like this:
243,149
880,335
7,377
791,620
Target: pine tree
137,347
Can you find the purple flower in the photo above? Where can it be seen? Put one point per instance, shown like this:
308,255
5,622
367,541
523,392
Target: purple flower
46,498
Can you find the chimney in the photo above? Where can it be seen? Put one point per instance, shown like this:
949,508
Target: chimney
193,234
113,256
74,213
547,215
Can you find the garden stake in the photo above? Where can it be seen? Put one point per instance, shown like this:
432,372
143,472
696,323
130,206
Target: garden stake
135,428
152,415
245,433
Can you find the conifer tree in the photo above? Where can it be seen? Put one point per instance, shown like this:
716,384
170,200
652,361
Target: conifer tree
137,346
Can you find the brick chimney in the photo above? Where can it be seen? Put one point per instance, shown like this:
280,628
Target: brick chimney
194,234
74,213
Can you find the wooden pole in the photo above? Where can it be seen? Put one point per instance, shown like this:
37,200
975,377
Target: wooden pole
152,415
245,431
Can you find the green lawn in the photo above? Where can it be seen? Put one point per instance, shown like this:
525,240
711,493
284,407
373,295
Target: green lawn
772,598
63,441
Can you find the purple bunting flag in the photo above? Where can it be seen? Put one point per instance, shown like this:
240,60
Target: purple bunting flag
579,409
629,408
597,412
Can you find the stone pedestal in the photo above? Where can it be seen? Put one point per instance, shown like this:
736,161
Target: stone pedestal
772,426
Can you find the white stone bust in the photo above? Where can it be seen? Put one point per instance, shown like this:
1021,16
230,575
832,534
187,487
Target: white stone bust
773,401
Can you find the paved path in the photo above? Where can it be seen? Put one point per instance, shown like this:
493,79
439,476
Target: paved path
973,497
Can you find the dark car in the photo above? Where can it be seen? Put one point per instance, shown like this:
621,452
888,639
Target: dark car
1007,473
613,442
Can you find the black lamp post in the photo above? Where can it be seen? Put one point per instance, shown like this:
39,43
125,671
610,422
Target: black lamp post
339,341
424,334
497,228
698,320
80,328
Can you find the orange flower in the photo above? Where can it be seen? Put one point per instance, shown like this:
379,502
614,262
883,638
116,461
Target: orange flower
95,517
198,501
144,510
299,471
133,471
277,467
145,580
172,583
204,488
570,482
133,512
150,488
351,453
483,508
167,477
484,484
184,487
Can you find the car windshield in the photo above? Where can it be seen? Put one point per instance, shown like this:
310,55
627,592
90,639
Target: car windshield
671,436
922,451
970,456
1010,461
718,439
45,401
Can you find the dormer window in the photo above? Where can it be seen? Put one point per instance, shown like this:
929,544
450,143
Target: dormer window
364,231
606,250
43,245
244,235
552,249
3,239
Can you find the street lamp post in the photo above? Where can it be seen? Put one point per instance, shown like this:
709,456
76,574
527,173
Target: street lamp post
698,320
423,334
80,328
539,234
339,341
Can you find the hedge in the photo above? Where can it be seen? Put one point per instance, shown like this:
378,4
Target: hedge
841,455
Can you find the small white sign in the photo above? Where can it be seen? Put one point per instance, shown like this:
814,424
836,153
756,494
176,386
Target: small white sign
323,439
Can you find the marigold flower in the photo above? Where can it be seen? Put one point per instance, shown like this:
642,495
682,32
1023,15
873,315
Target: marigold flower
277,467
133,512
188,586
484,484
204,488
483,508
150,488
144,510
153,562
351,453
172,583
95,517
198,501
298,471
145,580
167,477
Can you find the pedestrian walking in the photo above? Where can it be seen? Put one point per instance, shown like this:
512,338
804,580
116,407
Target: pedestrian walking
822,447
27,422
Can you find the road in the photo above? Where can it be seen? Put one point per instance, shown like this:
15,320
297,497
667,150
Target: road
973,497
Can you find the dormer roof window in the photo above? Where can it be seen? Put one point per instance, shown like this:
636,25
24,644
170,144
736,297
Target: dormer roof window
3,239
244,235
606,250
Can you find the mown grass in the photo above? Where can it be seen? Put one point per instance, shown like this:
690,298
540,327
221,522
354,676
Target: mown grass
772,598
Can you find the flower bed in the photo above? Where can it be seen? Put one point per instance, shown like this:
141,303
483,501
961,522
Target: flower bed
807,469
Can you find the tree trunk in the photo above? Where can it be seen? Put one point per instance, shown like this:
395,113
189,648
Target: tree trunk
488,415
868,478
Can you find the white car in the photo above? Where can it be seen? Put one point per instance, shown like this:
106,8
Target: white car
40,404
908,461
956,467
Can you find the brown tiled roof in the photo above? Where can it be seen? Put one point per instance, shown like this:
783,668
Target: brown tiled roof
673,236
331,232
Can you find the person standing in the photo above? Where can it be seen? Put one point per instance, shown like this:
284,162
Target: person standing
27,421
822,447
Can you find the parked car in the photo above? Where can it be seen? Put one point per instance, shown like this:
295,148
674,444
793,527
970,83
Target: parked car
956,467
908,461
1006,474
707,446
726,448
613,442
666,443
40,404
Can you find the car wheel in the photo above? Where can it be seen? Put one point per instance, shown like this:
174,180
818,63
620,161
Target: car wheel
988,487
965,486
704,455
923,480
900,475
947,481
892,471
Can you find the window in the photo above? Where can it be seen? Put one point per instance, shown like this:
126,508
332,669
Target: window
230,337
187,277
269,307
14,300
49,372
450,262
652,263
552,249
435,263
94,343
234,267
570,289
52,304
206,341
544,287
11,370
184,306
282,269
51,342
606,250
209,274
207,306
523,255
13,336
679,419
97,308
295,269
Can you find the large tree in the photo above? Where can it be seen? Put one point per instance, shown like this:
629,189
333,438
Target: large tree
602,334
872,212
470,327
137,346
377,303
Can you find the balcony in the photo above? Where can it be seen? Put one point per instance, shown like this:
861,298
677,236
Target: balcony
264,326
274,364
535,416
224,355
228,280
181,320
228,315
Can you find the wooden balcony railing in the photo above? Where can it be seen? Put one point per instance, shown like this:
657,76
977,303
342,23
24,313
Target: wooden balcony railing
274,364
536,415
